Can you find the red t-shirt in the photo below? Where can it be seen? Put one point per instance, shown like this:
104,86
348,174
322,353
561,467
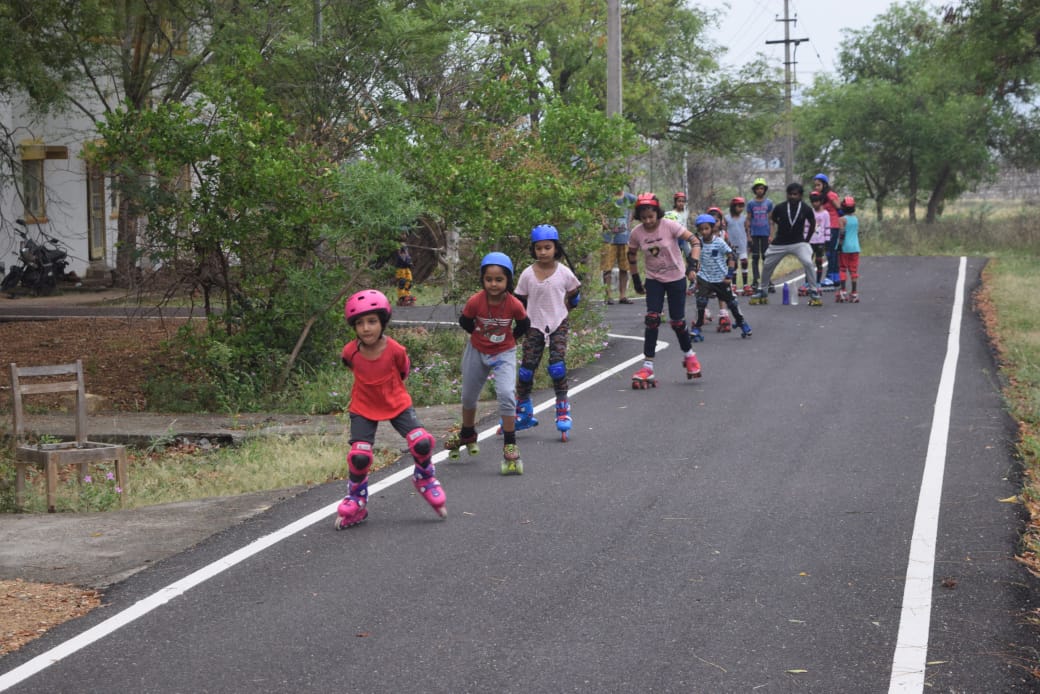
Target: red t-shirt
831,205
493,333
378,392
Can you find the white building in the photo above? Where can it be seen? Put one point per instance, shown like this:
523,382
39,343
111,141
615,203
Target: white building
54,189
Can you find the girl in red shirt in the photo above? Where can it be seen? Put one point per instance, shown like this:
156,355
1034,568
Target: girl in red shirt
494,318
380,365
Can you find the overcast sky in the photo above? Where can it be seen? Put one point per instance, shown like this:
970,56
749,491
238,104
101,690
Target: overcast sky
746,27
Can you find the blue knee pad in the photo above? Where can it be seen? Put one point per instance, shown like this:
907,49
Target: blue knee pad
702,301
360,457
525,375
653,320
557,370
420,445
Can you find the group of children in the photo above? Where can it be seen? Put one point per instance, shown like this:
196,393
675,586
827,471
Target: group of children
537,308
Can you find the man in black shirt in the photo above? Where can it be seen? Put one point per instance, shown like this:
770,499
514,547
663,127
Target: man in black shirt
795,224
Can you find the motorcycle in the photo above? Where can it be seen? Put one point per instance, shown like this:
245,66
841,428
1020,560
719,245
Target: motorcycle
41,264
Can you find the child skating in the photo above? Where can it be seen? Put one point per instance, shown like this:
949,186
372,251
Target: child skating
380,365
715,278
667,273
739,238
819,241
848,251
759,227
549,290
494,318
403,273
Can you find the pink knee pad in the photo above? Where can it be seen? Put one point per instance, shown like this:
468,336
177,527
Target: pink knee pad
360,458
420,445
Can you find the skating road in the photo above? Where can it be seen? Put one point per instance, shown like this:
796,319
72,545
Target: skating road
821,512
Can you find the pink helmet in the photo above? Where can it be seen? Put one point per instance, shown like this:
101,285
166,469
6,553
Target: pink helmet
367,301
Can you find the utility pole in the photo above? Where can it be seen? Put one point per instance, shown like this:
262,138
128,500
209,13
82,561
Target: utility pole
788,81
613,58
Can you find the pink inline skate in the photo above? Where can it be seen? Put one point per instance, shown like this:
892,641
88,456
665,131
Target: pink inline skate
353,509
430,489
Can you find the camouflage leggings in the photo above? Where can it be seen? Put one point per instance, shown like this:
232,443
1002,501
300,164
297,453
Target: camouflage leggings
534,345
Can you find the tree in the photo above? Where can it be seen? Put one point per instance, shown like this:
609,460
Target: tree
899,121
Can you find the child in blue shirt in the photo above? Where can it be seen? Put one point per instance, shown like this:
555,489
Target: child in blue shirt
715,277
848,251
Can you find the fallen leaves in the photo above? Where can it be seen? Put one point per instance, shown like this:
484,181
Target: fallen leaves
29,610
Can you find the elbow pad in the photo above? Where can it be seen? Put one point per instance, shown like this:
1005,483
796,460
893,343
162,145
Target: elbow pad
574,301
520,329
694,265
468,324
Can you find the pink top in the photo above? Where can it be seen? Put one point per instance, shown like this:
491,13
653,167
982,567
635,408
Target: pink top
545,298
823,222
663,257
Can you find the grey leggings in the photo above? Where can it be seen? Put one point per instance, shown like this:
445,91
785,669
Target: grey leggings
475,369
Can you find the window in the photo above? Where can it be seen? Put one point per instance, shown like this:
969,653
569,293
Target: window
33,156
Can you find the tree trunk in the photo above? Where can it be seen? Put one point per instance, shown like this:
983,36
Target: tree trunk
938,196
913,184
126,243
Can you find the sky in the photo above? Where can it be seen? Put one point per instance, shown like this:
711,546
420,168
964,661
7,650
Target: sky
746,27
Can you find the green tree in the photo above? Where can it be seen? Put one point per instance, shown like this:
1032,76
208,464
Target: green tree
900,121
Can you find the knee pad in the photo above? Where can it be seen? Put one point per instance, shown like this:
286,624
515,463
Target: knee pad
653,320
420,445
557,370
678,326
360,457
743,263
702,302
525,375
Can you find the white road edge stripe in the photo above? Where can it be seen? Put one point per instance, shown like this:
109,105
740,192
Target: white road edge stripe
164,595
908,663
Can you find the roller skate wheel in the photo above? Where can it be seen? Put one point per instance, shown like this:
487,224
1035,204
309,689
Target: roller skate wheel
473,449
512,467
453,453
442,511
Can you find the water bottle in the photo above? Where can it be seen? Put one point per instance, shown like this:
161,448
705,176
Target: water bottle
787,294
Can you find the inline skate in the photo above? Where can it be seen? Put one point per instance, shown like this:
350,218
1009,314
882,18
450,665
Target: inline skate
563,418
695,334
354,507
525,415
745,329
430,489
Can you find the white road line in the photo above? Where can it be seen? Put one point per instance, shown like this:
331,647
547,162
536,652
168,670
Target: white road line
164,595
908,663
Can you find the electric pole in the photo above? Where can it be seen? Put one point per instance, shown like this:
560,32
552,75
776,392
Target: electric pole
788,81
613,57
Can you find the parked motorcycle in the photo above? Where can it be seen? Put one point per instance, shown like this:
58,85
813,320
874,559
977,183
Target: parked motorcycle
40,265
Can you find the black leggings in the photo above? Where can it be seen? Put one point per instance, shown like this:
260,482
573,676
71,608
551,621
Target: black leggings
759,244
656,291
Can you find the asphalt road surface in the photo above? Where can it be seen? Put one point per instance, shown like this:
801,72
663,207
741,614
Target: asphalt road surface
765,528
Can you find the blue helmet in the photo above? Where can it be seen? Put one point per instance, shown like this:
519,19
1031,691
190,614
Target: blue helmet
822,177
544,232
704,219
497,258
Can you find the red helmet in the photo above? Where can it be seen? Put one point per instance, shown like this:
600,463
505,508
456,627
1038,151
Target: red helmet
714,210
848,201
649,200
737,201
679,196
367,301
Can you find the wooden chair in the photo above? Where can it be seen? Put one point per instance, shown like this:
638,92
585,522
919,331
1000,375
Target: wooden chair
51,456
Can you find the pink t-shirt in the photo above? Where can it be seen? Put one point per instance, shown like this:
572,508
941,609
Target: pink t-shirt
823,221
545,299
662,255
